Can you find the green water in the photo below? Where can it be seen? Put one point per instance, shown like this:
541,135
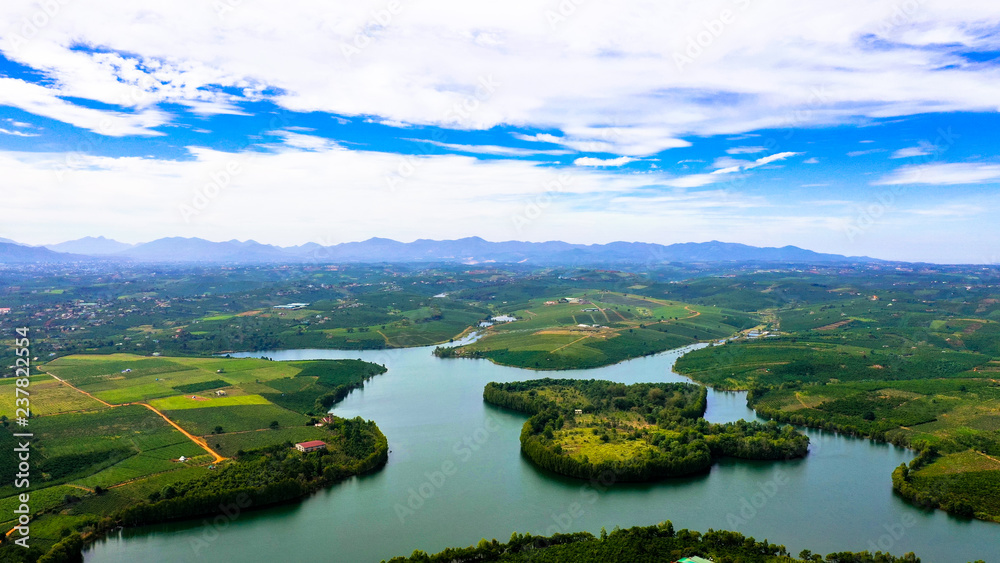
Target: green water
455,475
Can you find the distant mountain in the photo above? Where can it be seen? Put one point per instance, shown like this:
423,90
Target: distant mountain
95,246
471,250
13,253
179,249
476,250
8,241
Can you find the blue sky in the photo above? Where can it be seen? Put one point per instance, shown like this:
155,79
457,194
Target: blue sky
865,128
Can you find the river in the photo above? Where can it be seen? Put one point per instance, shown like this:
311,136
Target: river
455,475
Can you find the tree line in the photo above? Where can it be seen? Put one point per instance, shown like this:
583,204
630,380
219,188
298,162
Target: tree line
642,543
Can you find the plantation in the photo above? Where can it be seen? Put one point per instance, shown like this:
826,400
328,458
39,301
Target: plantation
95,461
236,418
596,329
49,397
886,363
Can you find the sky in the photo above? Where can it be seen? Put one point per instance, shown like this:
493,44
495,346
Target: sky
860,127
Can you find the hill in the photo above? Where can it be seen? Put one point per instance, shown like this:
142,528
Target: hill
13,253
470,250
95,246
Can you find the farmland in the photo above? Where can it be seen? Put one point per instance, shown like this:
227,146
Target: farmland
114,431
592,329
916,365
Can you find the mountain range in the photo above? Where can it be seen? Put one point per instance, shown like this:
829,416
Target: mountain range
471,250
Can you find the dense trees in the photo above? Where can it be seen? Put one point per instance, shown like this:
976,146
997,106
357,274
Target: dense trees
646,431
268,476
649,543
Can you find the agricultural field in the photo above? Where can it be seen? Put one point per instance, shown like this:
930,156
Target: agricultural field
114,430
592,329
917,365
48,397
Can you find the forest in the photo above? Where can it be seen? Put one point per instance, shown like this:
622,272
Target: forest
640,544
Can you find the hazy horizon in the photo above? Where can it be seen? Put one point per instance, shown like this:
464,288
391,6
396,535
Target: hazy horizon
408,241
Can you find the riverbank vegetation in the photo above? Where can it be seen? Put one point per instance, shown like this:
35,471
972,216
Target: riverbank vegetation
639,432
130,440
915,364
640,544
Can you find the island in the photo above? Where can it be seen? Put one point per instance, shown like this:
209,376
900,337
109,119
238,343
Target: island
641,432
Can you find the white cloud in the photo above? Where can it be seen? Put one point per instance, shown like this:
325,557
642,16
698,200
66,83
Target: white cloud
853,154
46,102
491,149
632,141
732,165
17,133
309,187
949,210
589,161
776,65
923,149
303,141
943,174
772,158
811,160
692,181
745,150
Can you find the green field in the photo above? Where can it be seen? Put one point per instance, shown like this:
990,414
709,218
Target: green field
597,329
129,453
884,364
48,397
198,402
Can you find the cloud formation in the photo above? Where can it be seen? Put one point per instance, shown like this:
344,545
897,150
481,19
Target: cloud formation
943,174
775,65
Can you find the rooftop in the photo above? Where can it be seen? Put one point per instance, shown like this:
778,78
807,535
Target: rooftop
311,443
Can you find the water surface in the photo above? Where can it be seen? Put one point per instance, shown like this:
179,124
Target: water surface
455,475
